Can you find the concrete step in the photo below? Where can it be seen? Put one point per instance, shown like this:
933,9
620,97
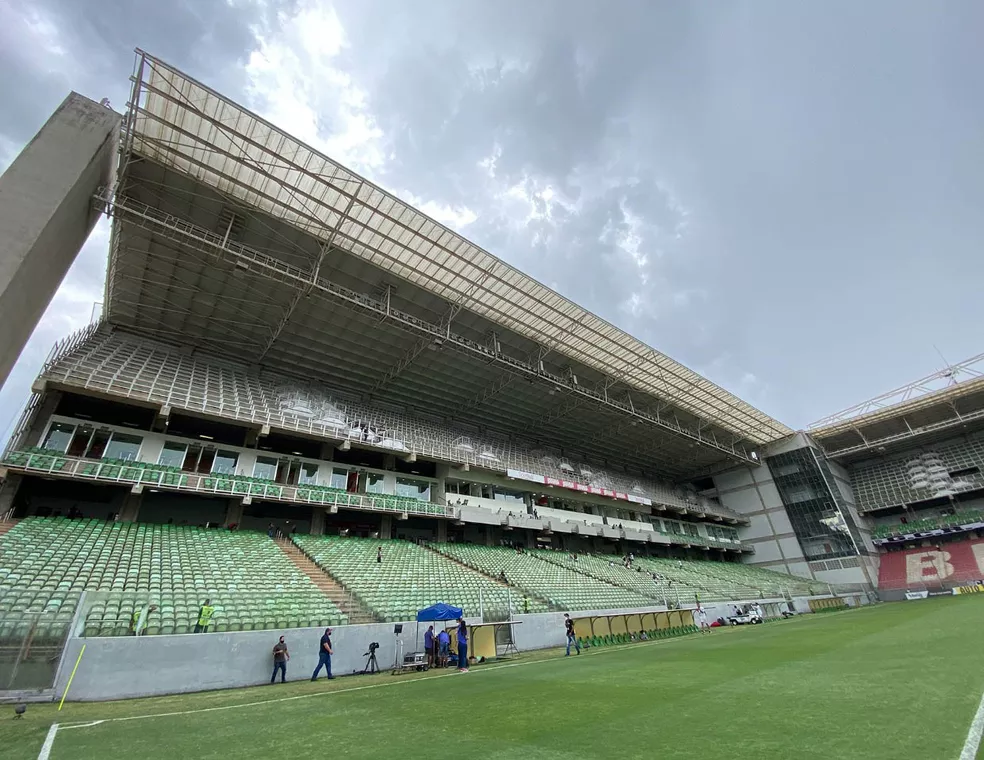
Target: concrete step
6,525
335,591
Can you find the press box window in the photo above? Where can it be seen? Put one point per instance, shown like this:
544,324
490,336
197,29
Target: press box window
266,468
59,436
413,489
122,446
225,462
173,455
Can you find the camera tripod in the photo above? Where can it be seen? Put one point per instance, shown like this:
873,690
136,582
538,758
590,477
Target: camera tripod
371,665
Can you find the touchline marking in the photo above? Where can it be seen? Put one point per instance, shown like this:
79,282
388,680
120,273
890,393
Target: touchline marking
492,668
48,741
973,742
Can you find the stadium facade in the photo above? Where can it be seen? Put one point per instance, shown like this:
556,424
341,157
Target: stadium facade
285,343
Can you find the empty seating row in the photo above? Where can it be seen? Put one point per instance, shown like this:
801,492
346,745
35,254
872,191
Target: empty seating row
408,578
563,588
966,517
46,564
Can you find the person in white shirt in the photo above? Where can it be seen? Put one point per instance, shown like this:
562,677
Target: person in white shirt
705,627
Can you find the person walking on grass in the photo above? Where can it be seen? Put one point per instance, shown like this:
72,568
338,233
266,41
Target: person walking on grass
280,658
702,619
571,636
462,646
324,656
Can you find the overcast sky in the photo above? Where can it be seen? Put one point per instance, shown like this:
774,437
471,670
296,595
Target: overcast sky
785,196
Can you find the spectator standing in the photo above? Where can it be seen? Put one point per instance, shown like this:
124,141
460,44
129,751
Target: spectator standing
324,656
135,620
205,613
571,636
462,646
280,658
379,555
429,645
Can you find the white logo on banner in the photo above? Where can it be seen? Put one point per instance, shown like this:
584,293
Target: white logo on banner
928,566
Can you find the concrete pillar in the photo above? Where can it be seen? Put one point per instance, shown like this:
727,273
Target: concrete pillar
327,451
234,513
488,536
131,507
386,527
439,490
39,421
317,521
46,212
8,491
442,530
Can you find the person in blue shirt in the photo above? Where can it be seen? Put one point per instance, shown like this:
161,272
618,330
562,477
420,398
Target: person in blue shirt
444,645
462,646
324,656
429,646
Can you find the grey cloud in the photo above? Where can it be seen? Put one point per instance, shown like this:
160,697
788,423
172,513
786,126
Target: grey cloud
805,177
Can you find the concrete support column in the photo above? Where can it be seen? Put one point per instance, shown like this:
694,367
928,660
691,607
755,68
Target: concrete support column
488,536
47,212
327,451
131,507
386,527
8,492
530,539
439,491
234,513
317,521
40,419
442,530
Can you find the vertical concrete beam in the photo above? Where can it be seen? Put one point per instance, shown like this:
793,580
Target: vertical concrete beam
46,213
317,521
386,527
131,507
234,513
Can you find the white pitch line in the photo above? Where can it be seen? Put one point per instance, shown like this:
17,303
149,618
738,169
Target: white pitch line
48,741
973,742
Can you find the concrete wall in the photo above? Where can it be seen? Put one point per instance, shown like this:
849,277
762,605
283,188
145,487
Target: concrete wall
750,492
46,213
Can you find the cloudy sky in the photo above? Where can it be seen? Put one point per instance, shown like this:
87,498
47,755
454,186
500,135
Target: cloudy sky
785,196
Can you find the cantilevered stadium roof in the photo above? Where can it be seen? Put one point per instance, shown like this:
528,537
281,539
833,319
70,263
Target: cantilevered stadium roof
928,409
231,234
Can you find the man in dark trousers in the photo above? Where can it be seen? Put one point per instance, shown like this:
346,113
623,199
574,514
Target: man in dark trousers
280,658
571,636
324,656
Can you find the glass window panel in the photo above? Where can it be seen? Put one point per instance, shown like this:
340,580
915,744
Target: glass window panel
123,446
374,483
173,455
308,474
266,468
339,479
225,462
413,489
59,436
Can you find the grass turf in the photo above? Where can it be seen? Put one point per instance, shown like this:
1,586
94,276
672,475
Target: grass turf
899,680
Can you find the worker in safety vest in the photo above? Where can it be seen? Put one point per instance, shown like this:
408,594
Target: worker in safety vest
205,617
135,619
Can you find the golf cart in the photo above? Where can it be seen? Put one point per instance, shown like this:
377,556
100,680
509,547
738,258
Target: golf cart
749,616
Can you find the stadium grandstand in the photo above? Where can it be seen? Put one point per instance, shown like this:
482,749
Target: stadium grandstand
306,404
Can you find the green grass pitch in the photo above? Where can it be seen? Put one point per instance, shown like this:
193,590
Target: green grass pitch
894,681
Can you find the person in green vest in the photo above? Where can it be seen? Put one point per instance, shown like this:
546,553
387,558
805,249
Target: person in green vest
135,619
204,617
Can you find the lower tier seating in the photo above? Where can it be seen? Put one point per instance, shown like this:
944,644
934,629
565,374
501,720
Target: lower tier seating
409,578
46,564
564,588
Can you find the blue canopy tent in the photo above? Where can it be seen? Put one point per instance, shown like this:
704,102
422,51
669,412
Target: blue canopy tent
436,613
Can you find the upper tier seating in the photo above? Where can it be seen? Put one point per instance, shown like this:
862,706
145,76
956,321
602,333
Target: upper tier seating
112,361
46,563
409,578
563,588
925,525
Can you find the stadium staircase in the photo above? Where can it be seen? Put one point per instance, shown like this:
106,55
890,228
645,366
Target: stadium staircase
529,596
409,578
6,525
335,591
563,588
